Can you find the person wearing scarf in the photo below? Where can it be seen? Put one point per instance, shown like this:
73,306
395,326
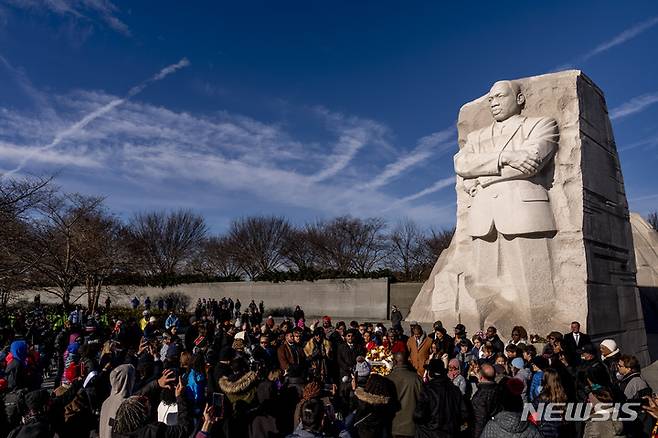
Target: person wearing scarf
454,374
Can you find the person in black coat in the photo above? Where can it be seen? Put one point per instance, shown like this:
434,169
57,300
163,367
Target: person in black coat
486,401
441,409
36,423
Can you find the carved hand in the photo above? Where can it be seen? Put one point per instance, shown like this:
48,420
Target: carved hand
526,161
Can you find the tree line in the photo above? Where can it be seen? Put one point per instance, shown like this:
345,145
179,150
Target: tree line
54,241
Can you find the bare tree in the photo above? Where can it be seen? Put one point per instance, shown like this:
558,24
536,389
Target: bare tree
349,245
299,251
437,241
18,199
409,252
58,244
217,258
652,218
164,243
100,239
258,243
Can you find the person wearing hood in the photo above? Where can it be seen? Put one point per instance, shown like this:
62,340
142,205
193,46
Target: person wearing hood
240,390
16,370
35,421
133,418
523,373
610,355
419,348
441,409
122,381
374,413
508,422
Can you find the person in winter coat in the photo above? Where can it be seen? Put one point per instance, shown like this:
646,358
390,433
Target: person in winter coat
419,349
539,364
122,381
631,382
455,376
441,410
603,429
132,419
407,387
36,423
16,370
523,373
374,409
610,355
312,416
486,400
508,423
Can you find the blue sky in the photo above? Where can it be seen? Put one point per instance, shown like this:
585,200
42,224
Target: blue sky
305,109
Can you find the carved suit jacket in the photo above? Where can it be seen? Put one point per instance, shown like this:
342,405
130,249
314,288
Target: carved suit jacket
513,202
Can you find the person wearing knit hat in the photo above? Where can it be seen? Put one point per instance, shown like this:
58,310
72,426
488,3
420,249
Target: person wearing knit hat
375,411
35,421
610,355
522,373
441,409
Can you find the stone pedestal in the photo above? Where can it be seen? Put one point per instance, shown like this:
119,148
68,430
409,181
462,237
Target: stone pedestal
591,263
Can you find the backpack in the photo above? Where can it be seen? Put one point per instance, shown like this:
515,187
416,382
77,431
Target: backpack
14,408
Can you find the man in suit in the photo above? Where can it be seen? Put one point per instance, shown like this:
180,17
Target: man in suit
503,167
574,342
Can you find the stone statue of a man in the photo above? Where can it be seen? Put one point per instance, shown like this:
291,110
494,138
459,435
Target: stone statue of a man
509,218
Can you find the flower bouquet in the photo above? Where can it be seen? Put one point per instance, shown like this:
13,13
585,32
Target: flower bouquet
380,360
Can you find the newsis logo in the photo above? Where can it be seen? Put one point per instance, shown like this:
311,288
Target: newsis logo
581,411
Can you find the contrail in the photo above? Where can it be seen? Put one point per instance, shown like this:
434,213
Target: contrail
82,123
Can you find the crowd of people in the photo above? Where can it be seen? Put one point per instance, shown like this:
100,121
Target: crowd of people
223,372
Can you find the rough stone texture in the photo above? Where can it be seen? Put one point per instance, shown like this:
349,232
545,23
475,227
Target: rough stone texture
592,261
645,241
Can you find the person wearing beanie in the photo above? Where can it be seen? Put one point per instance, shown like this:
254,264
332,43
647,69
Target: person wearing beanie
610,355
508,422
374,411
589,359
441,409
538,364
522,373
240,390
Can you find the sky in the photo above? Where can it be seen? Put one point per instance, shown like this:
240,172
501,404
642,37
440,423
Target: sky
302,109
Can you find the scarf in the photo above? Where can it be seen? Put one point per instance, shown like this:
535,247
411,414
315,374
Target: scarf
453,373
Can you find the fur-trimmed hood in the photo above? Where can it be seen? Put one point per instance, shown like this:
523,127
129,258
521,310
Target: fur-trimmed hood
371,399
238,386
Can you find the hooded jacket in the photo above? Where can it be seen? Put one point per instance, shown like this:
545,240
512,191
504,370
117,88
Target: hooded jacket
122,379
506,424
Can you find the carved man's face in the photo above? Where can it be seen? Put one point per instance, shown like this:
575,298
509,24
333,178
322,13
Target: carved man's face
504,102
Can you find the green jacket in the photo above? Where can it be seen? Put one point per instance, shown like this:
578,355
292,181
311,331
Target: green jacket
407,386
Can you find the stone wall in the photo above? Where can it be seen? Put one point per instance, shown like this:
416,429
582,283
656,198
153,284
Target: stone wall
345,298
403,295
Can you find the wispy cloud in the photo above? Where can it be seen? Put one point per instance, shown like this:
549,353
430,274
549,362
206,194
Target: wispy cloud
134,145
635,105
439,185
621,38
646,142
78,126
435,143
89,10
354,134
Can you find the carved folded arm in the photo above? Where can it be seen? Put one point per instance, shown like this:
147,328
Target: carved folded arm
542,142
470,164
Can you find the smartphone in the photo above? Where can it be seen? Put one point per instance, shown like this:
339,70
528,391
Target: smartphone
218,404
